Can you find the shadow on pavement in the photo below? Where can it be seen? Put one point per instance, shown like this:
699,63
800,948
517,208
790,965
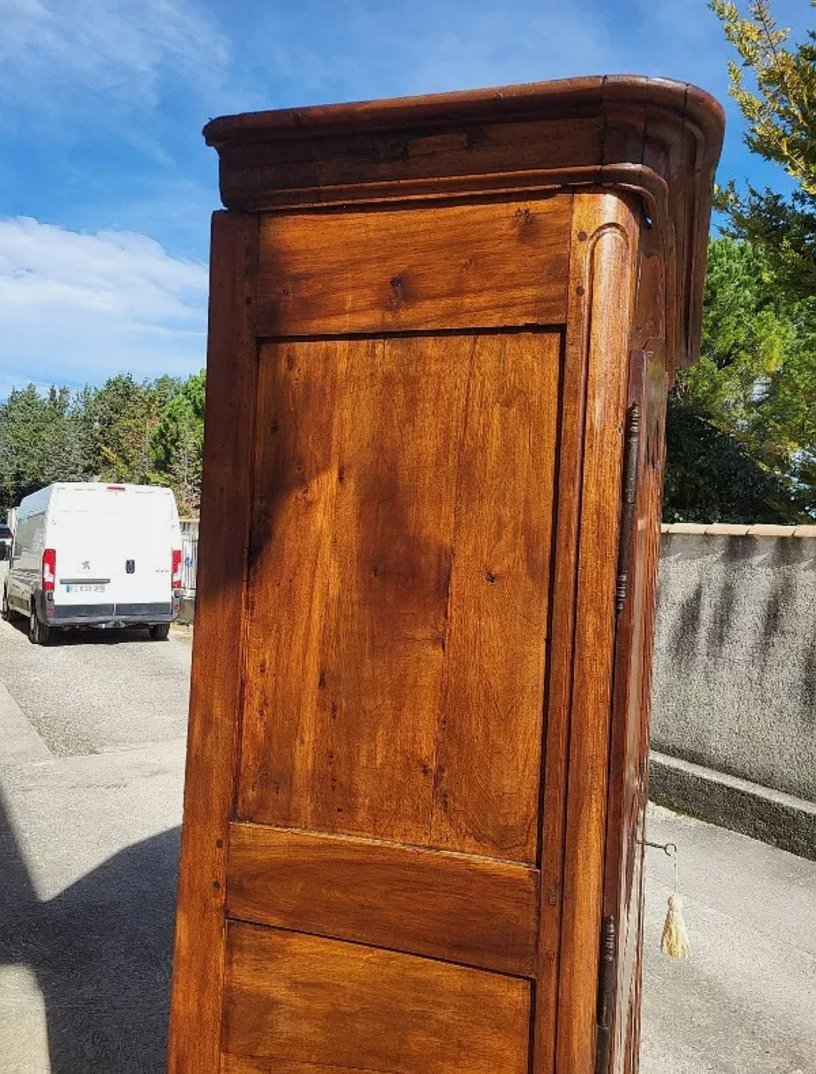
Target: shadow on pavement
89,635
101,951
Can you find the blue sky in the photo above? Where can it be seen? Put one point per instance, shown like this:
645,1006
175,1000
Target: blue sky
106,185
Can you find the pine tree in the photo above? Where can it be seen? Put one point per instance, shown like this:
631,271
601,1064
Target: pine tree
178,442
39,442
779,106
742,420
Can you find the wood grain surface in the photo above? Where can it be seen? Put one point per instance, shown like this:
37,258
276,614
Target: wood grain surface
336,1006
401,547
457,266
475,911
623,875
488,756
653,137
607,239
212,738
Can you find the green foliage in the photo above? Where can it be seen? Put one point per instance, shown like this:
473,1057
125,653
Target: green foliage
780,109
744,335
178,442
710,477
742,421
39,441
120,420
148,432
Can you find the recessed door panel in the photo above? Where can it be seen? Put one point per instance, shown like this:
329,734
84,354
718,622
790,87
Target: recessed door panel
451,266
476,911
304,1003
398,589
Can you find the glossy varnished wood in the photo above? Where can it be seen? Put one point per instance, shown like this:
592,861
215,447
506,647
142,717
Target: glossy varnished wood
652,136
333,1007
476,911
399,588
457,266
623,893
349,584
216,684
606,233
487,780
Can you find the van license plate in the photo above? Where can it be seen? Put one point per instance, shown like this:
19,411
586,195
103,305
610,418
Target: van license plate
85,589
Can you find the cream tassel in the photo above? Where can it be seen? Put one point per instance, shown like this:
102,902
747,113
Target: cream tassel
675,942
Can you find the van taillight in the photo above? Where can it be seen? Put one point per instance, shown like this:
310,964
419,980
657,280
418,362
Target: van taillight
49,569
175,571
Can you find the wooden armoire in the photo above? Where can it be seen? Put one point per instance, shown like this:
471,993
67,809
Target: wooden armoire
441,334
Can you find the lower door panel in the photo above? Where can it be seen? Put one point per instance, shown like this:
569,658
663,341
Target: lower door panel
477,911
298,1004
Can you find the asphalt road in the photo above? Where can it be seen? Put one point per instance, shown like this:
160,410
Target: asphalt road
98,690
91,769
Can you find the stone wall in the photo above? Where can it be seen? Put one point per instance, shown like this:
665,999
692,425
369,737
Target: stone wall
735,658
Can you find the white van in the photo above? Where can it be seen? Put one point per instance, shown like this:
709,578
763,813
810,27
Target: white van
91,554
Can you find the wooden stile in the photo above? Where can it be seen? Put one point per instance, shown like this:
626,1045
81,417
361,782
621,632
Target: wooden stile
441,334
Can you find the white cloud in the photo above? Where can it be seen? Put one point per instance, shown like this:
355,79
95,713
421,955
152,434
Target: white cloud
117,51
78,307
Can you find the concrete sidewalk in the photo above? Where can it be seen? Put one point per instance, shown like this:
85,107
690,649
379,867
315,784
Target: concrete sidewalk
745,1002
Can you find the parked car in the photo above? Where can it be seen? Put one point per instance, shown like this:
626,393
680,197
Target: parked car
91,554
6,537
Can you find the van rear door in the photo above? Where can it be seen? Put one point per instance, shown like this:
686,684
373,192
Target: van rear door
114,548
142,563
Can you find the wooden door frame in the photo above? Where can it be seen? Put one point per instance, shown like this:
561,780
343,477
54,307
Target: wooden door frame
603,277
217,672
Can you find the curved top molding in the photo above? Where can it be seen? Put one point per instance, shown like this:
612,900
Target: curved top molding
652,137
530,99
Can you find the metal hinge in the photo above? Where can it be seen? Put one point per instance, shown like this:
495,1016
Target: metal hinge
631,455
606,995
